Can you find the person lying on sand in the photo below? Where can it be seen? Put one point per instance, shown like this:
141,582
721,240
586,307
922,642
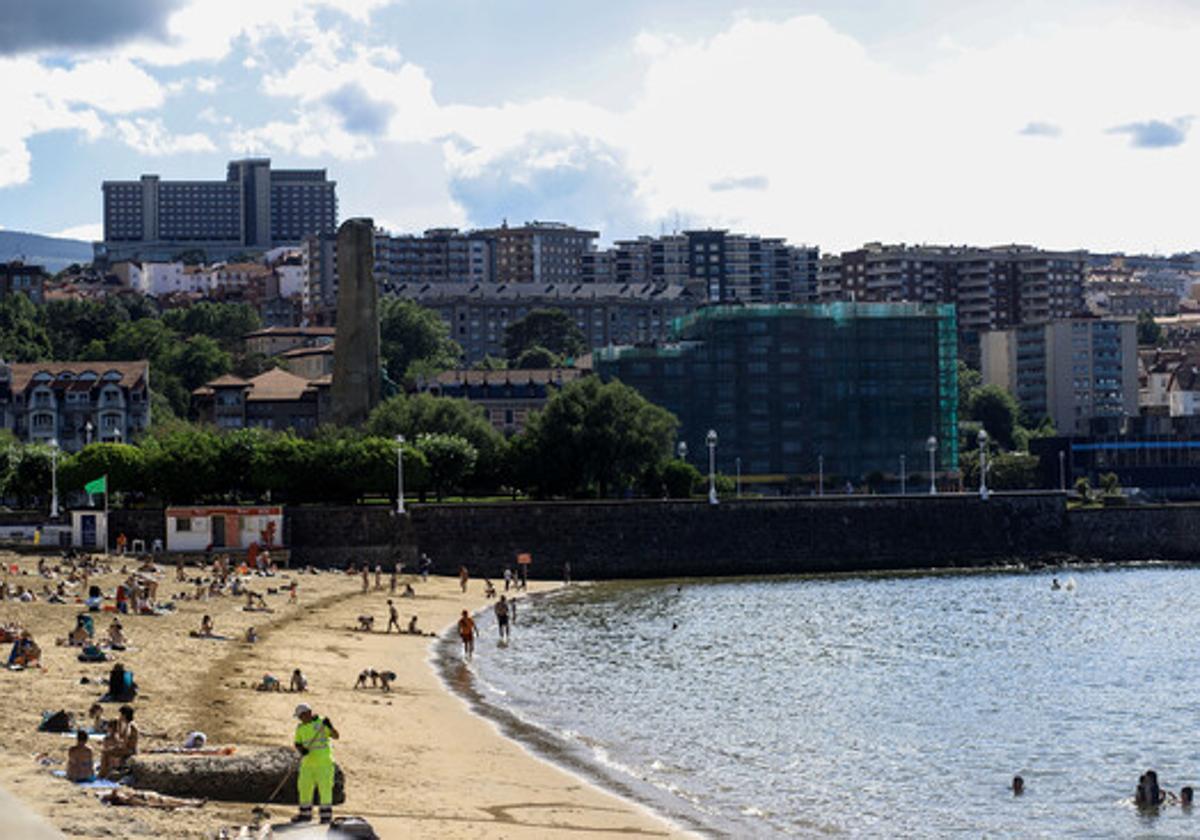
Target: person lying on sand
80,760
256,602
148,799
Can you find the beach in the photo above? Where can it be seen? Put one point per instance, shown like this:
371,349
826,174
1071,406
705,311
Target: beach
417,761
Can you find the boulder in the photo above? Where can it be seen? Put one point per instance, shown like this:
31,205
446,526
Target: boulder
249,777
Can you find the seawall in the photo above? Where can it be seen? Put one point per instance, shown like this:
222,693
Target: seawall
606,540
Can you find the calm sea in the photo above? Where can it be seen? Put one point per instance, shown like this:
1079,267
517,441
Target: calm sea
868,706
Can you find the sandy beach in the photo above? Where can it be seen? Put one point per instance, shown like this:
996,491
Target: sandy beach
418,762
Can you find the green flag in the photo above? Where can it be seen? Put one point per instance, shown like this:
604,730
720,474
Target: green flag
100,485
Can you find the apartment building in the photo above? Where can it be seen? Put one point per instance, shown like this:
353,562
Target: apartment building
18,278
538,252
607,313
992,288
440,255
255,208
75,403
1072,371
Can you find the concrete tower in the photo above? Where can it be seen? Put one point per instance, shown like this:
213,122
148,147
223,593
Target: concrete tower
356,376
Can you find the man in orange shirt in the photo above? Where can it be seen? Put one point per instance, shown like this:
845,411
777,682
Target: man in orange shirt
466,630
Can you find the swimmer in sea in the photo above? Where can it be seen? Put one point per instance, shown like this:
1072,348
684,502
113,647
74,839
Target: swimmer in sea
1055,585
1149,794
1018,785
1185,796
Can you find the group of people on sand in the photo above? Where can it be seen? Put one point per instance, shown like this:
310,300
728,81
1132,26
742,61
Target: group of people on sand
377,679
298,684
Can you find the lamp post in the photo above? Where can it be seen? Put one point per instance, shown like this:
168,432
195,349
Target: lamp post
820,475
903,476
711,440
400,474
931,447
682,450
1062,470
983,490
738,463
87,432
117,434
53,478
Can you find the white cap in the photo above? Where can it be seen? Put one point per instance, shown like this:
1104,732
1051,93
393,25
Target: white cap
301,709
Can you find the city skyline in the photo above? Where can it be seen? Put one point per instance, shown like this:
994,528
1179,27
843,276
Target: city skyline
923,122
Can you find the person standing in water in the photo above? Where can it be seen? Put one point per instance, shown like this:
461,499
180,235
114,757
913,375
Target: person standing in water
501,609
467,631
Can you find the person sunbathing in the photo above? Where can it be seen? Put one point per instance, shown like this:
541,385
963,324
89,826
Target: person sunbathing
116,636
81,765
206,628
25,652
148,799
270,682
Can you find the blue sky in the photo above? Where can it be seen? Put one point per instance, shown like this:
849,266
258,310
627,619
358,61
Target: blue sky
831,123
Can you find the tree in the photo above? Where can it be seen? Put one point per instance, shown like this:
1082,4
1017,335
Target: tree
225,323
1084,488
198,360
146,339
1149,333
1110,484
592,438
490,363
29,480
124,464
1006,471
536,358
552,329
997,410
22,337
969,381
409,334
420,414
451,459
678,477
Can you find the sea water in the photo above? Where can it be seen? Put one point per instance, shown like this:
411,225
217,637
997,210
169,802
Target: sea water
865,706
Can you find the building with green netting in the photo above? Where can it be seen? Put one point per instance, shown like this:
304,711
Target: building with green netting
804,394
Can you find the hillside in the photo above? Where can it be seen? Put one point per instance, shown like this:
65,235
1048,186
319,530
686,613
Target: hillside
54,254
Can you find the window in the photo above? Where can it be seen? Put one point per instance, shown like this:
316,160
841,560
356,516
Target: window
183,523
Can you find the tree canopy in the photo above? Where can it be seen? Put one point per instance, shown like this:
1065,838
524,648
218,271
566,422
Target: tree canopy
414,341
550,329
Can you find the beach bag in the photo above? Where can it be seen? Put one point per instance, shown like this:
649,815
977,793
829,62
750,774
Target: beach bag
58,721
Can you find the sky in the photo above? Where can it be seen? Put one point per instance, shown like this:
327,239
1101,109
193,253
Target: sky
829,122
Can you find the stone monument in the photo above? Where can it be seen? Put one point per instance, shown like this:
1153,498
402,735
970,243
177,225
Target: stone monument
356,383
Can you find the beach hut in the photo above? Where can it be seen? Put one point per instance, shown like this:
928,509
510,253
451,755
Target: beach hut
223,527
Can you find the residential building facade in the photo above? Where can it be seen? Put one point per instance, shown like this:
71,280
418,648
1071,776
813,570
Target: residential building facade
1072,371
255,208
798,393
276,399
274,341
507,396
538,252
75,403
606,313
18,278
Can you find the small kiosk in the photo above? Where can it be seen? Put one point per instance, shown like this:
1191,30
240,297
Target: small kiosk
89,529
223,527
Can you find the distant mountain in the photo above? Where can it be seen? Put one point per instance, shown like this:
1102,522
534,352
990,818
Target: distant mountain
55,254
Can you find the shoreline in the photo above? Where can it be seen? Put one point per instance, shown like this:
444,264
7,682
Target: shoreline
542,744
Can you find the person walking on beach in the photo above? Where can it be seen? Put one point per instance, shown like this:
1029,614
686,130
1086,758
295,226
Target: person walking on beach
312,741
392,583
378,577
502,618
507,578
467,631
393,617
463,576
366,576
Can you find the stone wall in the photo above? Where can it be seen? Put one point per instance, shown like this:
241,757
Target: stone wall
683,538
1168,532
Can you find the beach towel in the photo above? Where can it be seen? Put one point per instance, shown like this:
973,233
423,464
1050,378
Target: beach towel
94,784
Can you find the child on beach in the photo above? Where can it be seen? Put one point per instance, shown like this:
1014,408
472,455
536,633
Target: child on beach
393,617
463,576
299,681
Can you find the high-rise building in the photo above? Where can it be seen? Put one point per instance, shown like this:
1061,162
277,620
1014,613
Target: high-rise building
795,392
991,288
441,255
255,208
1071,371
538,252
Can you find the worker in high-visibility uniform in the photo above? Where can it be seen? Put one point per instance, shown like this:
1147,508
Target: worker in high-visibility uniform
316,763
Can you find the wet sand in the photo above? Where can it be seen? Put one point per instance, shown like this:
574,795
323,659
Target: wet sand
418,762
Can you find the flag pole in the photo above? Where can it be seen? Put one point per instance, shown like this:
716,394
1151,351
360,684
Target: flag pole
106,540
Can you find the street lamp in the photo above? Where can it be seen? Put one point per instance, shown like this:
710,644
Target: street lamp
711,440
400,474
931,447
738,462
117,434
820,475
983,490
1062,470
903,476
87,432
53,478
682,450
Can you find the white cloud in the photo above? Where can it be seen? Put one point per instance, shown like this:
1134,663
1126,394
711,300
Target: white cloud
90,232
151,137
314,133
